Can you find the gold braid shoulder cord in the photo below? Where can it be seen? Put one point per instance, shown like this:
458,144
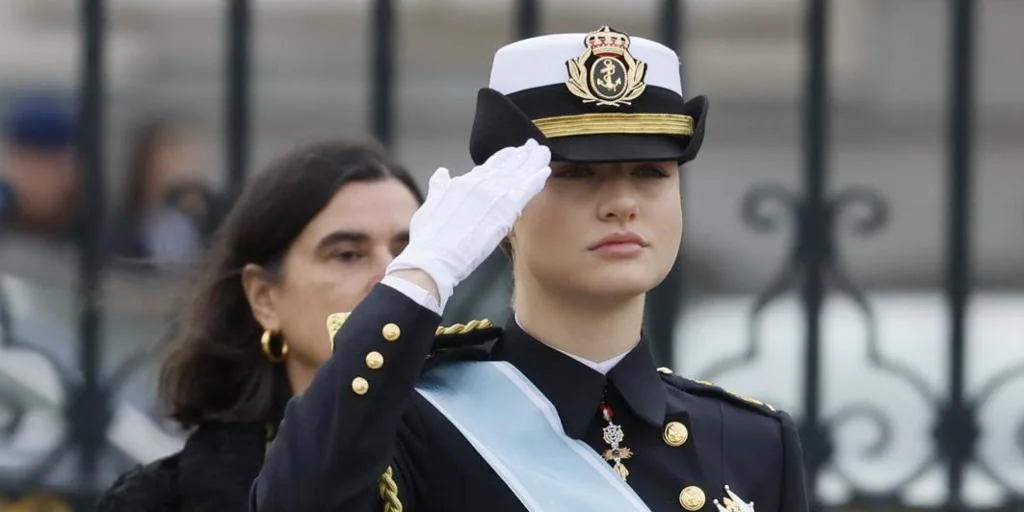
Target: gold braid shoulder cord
388,490
387,487
466,328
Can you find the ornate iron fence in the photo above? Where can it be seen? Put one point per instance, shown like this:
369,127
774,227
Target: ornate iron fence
813,266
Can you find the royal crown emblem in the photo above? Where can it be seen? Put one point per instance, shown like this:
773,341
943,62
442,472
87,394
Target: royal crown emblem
733,503
606,74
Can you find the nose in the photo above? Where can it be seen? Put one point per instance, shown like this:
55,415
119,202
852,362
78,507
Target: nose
618,201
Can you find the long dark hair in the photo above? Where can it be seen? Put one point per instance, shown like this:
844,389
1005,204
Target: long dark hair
149,135
216,371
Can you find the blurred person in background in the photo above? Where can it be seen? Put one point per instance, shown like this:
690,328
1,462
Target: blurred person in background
167,212
41,182
309,236
40,191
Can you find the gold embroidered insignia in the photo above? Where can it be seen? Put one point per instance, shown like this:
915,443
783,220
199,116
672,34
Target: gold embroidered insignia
334,323
606,74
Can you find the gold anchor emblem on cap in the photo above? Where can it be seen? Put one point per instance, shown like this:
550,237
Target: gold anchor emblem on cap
606,74
733,503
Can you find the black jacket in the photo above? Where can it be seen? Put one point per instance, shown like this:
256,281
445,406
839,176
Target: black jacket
360,439
212,473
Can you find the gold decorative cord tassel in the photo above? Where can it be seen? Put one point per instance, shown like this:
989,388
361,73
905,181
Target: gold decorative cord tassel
388,490
471,326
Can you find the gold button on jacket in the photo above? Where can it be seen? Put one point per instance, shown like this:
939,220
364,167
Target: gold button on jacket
374,360
360,386
675,434
692,498
391,332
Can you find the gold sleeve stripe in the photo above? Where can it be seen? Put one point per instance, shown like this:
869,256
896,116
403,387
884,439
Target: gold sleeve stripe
615,123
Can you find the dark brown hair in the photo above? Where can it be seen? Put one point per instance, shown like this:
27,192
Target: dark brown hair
216,371
149,136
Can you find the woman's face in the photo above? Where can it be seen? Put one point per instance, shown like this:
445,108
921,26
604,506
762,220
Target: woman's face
333,264
561,242
176,157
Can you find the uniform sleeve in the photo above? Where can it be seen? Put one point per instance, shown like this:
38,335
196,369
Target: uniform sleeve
794,482
414,292
339,437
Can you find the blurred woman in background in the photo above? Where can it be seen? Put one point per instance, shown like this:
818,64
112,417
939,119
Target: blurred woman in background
167,211
309,237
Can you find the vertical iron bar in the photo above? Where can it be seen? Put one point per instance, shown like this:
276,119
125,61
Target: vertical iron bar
670,23
382,59
665,301
958,270
814,233
527,18
87,409
238,94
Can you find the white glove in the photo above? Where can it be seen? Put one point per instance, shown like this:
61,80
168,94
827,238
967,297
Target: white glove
464,219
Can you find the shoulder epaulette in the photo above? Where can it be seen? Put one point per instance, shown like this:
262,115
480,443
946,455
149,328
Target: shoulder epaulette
334,323
710,389
470,333
445,337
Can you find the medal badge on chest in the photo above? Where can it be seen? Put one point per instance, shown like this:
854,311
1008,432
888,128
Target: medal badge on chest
613,436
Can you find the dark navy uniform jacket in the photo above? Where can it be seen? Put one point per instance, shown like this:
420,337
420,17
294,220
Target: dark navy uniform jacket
361,439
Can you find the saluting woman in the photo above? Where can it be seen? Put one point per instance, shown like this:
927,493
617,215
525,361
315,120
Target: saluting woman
566,410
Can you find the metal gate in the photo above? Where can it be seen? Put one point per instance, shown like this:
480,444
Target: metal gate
812,268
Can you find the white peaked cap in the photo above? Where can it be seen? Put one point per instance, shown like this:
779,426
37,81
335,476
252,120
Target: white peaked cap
601,96
541,61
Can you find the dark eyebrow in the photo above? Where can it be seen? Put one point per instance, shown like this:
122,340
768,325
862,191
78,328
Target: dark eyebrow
342,236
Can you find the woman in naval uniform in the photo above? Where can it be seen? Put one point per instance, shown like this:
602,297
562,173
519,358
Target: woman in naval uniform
566,410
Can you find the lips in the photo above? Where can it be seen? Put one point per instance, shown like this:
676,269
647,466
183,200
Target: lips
620,239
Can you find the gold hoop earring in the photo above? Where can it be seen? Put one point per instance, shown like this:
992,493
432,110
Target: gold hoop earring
267,351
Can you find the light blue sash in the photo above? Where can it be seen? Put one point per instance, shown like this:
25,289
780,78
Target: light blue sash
517,431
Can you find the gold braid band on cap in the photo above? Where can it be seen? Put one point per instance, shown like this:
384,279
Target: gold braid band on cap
615,123
388,490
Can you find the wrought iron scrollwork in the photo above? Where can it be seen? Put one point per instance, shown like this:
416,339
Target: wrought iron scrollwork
12,412
980,401
863,211
15,406
763,209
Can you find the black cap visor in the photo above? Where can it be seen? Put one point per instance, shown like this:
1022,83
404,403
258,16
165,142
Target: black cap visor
502,121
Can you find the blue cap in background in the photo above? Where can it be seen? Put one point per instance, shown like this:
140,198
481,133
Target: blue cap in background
39,120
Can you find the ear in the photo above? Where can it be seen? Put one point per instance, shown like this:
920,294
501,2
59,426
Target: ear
511,235
259,291
509,243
